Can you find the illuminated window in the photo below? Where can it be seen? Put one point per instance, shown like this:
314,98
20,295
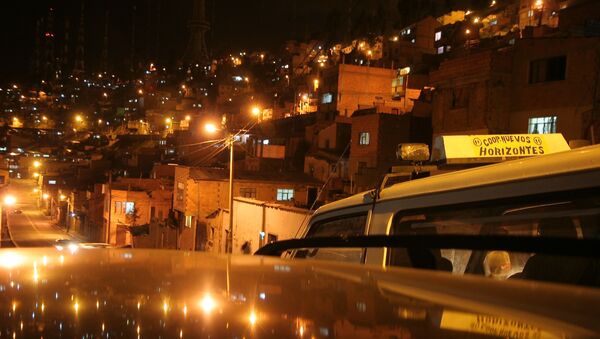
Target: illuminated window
51,182
327,98
440,50
542,125
285,194
438,36
180,191
364,138
129,207
188,221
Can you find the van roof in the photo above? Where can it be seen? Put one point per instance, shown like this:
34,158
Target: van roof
580,159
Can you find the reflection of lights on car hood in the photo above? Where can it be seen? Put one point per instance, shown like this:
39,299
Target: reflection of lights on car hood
10,259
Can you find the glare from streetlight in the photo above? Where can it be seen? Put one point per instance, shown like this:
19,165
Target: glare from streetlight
9,200
37,164
36,175
210,128
188,118
168,121
78,118
46,196
256,110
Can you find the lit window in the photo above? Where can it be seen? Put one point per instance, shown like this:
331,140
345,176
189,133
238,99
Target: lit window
364,138
542,125
51,182
438,36
408,31
266,142
188,221
129,207
327,98
530,13
285,194
440,50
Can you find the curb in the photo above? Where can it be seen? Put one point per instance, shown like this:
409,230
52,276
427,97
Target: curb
10,238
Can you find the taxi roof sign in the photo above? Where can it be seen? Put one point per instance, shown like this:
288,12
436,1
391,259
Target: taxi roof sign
487,148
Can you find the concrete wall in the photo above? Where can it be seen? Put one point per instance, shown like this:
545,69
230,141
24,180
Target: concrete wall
251,217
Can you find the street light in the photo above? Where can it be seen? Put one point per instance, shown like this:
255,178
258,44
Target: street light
9,200
212,128
78,118
37,164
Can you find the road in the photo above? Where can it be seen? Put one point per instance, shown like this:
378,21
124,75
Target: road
31,228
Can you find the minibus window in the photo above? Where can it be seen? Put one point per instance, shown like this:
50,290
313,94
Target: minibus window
569,215
351,225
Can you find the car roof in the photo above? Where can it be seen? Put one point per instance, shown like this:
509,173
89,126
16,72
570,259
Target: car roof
162,291
578,160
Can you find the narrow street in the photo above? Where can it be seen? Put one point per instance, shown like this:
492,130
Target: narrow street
31,228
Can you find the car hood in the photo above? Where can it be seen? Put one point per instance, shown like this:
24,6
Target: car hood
78,292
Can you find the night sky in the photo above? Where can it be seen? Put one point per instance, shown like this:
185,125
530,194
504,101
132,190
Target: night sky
161,32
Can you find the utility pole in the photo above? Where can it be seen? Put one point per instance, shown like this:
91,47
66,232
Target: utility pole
229,245
109,206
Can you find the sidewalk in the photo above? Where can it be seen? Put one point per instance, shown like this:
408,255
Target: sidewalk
70,234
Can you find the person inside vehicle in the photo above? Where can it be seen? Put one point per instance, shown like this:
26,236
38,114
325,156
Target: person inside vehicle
497,265
560,269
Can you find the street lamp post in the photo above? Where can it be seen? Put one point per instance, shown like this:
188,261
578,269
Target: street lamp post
229,241
211,128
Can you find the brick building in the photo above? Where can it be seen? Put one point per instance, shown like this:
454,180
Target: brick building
201,194
136,202
375,137
538,85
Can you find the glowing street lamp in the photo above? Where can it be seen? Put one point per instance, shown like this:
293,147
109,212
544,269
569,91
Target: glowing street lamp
78,118
255,110
168,121
210,128
45,196
9,200
36,175
188,118
37,164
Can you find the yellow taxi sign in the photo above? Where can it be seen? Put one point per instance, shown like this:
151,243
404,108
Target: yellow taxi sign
495,147
492,325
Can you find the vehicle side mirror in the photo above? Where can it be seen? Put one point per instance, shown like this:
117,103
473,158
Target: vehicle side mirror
413,152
